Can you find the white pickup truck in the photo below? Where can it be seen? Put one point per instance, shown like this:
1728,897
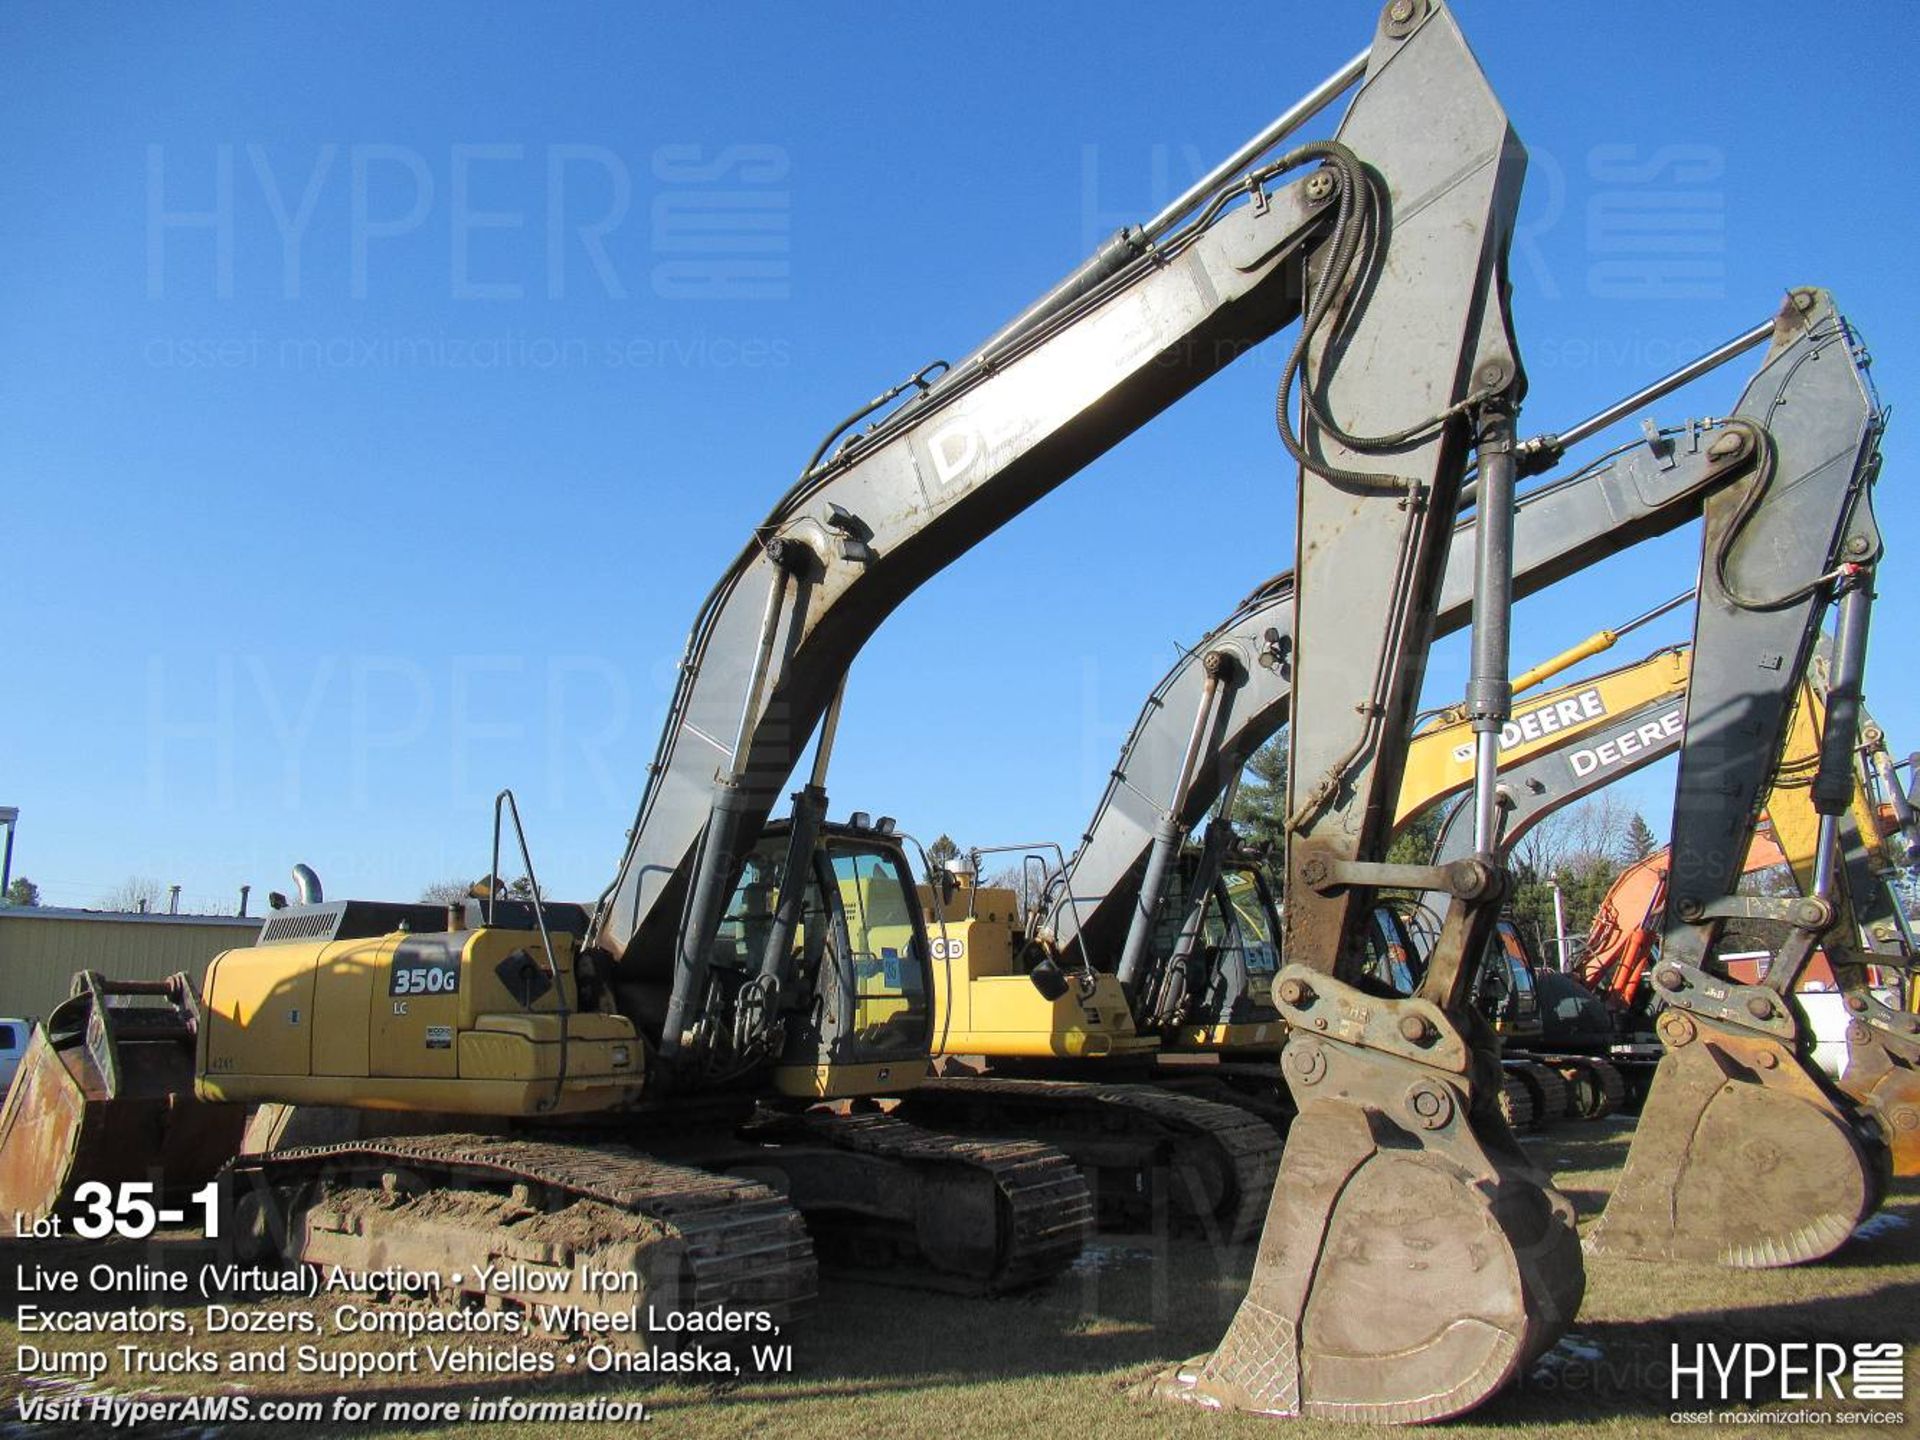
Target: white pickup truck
13,1044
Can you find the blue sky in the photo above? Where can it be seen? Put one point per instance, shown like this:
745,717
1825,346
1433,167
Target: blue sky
311,547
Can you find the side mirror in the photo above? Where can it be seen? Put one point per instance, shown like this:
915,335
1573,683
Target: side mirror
1048,980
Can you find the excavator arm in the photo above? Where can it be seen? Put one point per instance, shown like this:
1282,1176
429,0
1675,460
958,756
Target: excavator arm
1232,692
1600,715
1883,1044
1589,759
1401,224
1744,1155
1589,713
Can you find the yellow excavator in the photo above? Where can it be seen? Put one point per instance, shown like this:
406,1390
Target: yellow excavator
436,1088
983,995
1605,1011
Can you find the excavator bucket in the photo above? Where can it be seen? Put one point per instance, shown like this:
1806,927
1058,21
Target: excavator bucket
1743,1157
1888,1087
105,1092
1414,1260
1894,1100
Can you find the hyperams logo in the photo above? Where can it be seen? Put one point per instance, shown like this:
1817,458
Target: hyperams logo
1755,1371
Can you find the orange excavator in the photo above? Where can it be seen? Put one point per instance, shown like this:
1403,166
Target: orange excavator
1625,935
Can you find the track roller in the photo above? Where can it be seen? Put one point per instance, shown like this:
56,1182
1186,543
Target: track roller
1220,1159
1595,1088
1550,1101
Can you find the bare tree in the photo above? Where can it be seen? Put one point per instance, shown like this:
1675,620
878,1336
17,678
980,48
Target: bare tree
446,892
1596,828
1580,849
1026,882
134,894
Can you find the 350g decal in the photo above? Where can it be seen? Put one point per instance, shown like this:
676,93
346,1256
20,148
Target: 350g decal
424,975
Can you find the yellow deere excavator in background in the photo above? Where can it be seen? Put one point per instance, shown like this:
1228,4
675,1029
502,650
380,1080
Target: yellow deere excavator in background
1877,1043
982,995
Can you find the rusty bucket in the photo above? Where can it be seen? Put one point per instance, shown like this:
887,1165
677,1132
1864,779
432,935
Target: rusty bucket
105,1092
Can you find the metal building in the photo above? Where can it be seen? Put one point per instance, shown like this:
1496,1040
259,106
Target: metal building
41,947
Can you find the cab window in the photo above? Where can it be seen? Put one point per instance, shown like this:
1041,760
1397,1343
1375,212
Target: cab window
1258,948
880,932
1521,973
741,939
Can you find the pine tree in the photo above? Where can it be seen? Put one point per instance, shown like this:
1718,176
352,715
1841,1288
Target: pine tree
1260,805
1414,844
1639,842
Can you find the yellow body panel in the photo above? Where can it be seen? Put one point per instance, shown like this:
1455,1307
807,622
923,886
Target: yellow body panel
1005,1015
983,1004
1264,1038
345,1023
264,1016
846,1082
407,1022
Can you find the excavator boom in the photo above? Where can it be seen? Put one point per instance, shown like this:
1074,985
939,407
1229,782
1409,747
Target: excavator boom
1232,692
1642,491
1744,1155
1150,317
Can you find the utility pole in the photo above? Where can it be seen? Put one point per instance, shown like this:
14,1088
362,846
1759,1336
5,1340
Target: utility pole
1559,923
9,817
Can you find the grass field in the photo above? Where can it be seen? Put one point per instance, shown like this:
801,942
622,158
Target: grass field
1073,1358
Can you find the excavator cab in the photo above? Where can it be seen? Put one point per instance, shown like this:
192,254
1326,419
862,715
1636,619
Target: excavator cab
1231,959
858,1014
1255,924
1505,990
1394,957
